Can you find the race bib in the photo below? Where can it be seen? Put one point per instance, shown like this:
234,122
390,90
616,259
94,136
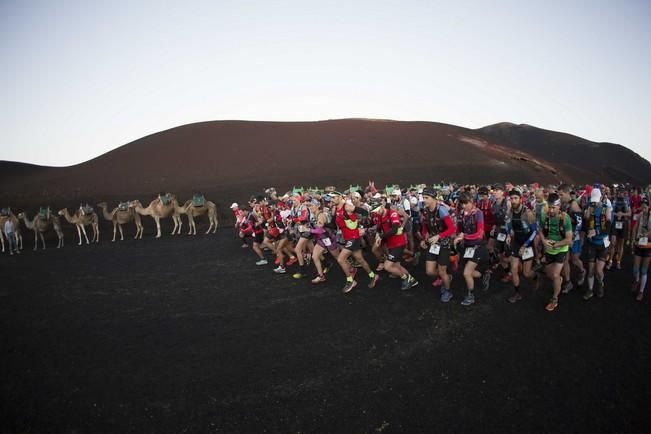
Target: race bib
577,237
501,236
606,242
528,253
469,253
619,225
327,242
643,241
434,249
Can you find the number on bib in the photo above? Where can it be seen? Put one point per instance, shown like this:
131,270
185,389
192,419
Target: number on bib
606,242
643,241
501,236
528,253
434,249
469,253
327,242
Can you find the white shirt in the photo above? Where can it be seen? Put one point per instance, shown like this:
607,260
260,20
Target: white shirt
9,227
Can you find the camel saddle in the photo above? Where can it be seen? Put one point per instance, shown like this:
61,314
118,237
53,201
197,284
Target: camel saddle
5,212
198,200
86,209
123,206
165,198
44,213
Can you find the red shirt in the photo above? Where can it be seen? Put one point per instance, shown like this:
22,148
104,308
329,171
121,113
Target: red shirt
386,221
347,223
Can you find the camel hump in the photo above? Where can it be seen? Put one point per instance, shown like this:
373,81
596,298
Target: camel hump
123,206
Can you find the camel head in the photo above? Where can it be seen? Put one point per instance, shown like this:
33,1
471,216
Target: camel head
62,211
21,215
135,203
102,205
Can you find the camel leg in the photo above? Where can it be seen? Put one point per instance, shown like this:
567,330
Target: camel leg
19,241
121,233
178,220
2,238
83,230
96,229
158,227
42,239
60,235
115,229
35,240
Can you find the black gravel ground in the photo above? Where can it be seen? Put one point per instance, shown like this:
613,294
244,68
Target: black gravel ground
188,335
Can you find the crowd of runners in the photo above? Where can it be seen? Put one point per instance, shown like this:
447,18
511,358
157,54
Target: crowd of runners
515,233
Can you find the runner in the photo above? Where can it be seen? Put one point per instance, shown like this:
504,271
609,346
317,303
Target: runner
596,219
325,241
522,229
390,234
555,238
437,230
570,205
351,233
642,256
619,229
471,232
303,221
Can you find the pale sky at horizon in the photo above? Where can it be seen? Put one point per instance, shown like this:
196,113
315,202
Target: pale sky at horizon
82,78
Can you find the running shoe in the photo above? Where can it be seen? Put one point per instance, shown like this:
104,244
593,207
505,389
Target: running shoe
486,281
438,282
588,295
552,305
349,286
640,296
412,282
292,261
468,300
567,287
581,278
404,284
600,290
515,297
280,270
319,279
261,262
446,296
373,281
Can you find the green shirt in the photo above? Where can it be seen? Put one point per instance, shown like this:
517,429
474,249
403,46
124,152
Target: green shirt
554,234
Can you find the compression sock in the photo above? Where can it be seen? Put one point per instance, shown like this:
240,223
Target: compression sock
643,277
590,282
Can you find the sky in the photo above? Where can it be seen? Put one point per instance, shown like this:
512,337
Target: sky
81,78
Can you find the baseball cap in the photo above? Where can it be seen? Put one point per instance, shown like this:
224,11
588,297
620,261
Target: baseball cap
235,205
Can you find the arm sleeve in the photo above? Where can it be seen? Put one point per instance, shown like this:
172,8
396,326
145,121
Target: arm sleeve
532,236
449,225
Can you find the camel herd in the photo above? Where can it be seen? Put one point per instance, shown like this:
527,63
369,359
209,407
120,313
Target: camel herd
162,207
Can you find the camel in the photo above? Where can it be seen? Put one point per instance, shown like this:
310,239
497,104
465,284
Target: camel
81,220
120,216
159,210
193,208
40,224
8,215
